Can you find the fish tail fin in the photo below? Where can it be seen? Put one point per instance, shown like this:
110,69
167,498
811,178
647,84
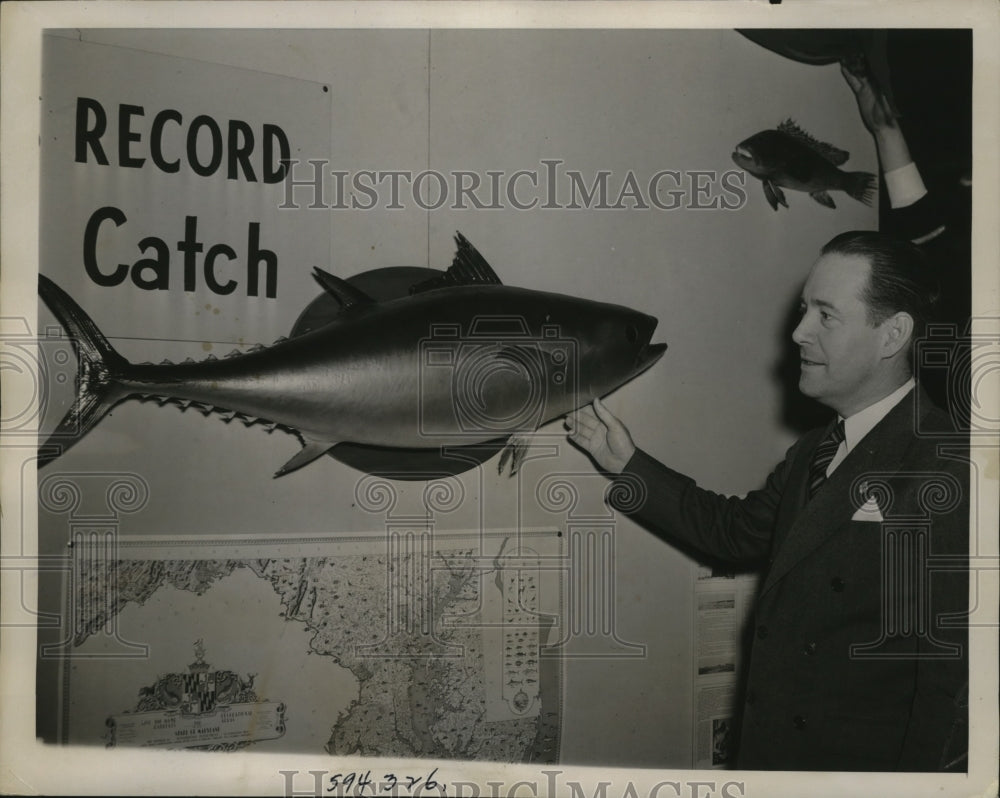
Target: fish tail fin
97,385
861,186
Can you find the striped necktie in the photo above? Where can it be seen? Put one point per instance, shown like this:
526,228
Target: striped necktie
823,457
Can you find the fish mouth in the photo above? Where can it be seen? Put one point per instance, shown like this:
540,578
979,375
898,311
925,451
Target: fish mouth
648,355
745,159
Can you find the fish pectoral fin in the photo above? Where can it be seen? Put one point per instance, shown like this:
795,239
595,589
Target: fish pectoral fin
345,293
774,195
769,194
514,452
309,452
823,199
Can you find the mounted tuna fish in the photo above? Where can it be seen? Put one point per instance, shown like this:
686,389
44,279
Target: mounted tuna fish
790,158
462,360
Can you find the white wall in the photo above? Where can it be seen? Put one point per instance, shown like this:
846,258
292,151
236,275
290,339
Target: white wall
720,282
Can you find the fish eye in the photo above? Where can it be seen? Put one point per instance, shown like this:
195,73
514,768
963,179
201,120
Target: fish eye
631,333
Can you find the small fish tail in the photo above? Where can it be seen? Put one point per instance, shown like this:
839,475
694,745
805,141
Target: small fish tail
861,186
97,384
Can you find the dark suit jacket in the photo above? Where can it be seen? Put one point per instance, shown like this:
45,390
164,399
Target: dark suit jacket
854,665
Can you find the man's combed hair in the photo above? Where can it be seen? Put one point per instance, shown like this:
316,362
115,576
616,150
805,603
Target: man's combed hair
902,277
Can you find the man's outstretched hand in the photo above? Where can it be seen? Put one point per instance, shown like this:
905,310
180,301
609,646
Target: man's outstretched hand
878,117
595,430
876,113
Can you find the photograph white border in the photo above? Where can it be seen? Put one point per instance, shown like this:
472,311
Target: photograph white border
29,767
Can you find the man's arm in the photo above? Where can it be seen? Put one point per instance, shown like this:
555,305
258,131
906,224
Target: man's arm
670,504
915,216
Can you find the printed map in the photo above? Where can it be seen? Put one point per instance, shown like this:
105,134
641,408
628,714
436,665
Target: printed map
416,629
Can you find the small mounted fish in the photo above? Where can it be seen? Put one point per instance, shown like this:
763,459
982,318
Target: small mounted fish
790,158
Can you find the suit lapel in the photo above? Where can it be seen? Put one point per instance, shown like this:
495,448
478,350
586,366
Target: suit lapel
832,507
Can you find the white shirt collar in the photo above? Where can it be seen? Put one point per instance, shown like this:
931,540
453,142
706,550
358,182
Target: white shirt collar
862,422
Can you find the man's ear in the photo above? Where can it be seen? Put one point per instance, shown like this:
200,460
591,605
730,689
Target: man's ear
897,330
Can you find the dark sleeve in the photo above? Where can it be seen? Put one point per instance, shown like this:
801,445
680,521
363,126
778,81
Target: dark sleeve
937,733
674,508
920,222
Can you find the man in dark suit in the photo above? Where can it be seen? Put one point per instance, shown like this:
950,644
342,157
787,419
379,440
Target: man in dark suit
859,657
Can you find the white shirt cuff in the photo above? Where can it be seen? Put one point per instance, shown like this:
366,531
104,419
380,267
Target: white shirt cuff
904,185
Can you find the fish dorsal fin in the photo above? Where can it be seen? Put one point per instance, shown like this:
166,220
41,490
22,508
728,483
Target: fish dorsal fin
310,451
345,293
826,151
468,267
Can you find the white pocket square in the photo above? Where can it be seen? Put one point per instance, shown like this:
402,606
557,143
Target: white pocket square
869,511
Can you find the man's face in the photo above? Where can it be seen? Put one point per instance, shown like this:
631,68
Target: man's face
843,358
